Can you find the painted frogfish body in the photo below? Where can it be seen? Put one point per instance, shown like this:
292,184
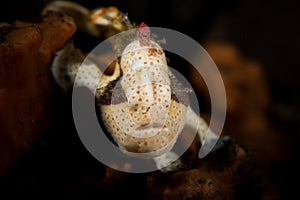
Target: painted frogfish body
145,111
150,117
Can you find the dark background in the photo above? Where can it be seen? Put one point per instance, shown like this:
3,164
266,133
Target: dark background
265,31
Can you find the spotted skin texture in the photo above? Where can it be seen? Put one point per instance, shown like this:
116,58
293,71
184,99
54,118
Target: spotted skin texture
145,80
123,123
68,56
71,64
140,104
150,120
136,55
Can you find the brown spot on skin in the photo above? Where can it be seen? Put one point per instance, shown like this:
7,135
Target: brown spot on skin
152,51
160,52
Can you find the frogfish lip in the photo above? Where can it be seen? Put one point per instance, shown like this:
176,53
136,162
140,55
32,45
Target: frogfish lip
149,130
150,126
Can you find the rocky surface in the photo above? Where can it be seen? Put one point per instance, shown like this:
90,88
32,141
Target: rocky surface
227,173
26,83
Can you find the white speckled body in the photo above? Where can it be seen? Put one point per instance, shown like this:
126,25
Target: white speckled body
149,116
149,121
120,122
